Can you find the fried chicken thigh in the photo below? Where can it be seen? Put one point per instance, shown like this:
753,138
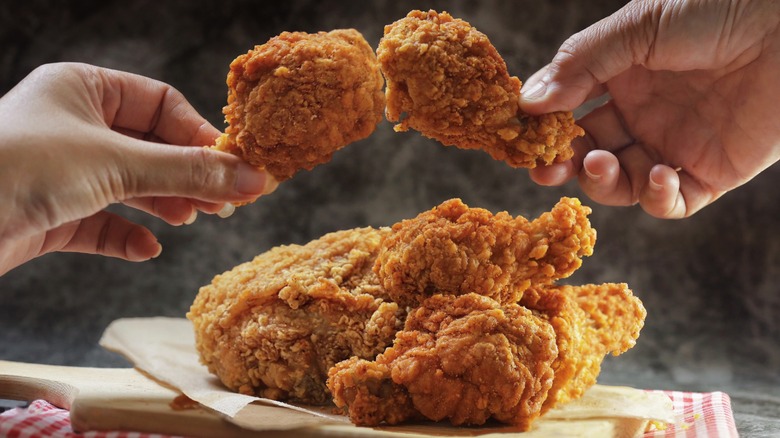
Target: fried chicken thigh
455,249
447,81
274,326
462,358
300,97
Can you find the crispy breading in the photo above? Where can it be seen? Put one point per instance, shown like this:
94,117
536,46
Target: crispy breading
447,81
465,359
451,316
452,359
274,326
300,97
454,249
590,322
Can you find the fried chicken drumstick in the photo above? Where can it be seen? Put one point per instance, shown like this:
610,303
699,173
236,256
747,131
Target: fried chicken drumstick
447,81
300,97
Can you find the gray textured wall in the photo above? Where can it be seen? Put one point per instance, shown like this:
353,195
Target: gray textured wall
709,282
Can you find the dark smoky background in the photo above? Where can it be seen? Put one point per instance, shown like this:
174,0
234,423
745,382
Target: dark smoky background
709,282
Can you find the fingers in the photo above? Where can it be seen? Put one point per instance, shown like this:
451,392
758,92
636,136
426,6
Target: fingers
179,211
603,180
660,190
139,108
110,235
661,197
674,193
145,108
555,174
200,174
175,211
590,58
603,130
614,169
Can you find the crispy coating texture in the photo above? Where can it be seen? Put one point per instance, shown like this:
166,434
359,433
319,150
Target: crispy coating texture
463,358
447,81
451,316
273,327
451,359
454,249
590,322
300,97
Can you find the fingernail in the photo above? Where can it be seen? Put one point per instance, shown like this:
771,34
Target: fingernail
592,176
227,210
159,251
653,184
534,91
192,217
251,180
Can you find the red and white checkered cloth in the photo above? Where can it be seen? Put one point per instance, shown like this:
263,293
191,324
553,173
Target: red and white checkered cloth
701,415
41,419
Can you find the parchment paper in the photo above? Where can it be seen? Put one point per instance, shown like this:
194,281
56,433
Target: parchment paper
165,349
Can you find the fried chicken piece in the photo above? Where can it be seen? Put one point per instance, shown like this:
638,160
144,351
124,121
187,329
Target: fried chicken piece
300,97
468,358
447,81
462,358
273,327
454,249
590,322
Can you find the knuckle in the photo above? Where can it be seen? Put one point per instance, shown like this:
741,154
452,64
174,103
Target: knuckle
208,173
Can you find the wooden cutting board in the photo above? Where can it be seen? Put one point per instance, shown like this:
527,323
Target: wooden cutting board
110,399
129,400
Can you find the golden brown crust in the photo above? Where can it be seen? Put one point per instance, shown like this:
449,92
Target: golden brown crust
298,98
447,81
454,249
465,359
274,326
590,322
487,334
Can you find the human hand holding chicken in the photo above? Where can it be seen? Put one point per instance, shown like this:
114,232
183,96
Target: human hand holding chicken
692,86
77,138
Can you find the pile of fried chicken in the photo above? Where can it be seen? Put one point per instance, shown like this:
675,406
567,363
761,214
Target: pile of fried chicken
297,99
452,315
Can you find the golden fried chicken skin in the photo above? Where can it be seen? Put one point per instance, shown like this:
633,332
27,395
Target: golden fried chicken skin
300,97
468,358
447,81
451,316
274,326
590,322
454,249
463,358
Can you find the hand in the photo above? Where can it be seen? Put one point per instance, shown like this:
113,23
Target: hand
75,138
694,102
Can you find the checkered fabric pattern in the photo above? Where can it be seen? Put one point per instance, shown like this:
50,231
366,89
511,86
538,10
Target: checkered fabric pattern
700,415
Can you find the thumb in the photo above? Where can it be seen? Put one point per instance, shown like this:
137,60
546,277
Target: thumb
590,58
154,169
